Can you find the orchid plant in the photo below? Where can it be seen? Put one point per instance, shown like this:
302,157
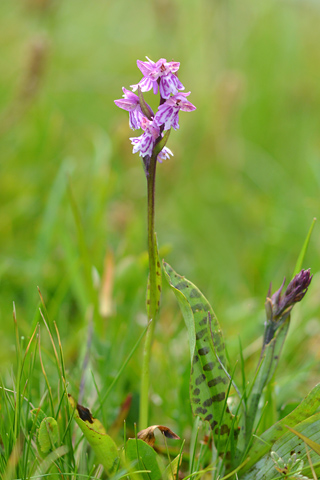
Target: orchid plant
160,77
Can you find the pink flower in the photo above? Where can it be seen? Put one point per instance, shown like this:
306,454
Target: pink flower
131,103
168,112
145,143
163,70
164,154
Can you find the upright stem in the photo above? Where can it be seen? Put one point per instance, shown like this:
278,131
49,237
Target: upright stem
145,377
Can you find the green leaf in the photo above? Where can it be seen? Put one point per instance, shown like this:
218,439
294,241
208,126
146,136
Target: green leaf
209,381
48,434
102,444
144,457
302,254
263,444
287,445
315,446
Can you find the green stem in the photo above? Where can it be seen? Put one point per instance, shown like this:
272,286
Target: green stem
145,376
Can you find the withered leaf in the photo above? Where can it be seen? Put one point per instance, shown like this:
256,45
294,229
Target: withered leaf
147,435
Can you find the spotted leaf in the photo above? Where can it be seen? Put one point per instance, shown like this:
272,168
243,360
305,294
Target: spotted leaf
209,381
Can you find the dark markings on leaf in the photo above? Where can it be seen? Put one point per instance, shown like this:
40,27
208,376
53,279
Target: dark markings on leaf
159,288
227,410
219,397
224,429
196,400
209,417
206,307
197,307
208,366
84,413
196,391
148,302
219,367
182,285
213,424
215,337
207,402
158,264
216,381
158,273
220,348
203,321
201,333
195,359
200,379
204,351
201,410
195,293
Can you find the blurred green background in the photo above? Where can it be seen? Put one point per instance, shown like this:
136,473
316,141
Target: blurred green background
234,205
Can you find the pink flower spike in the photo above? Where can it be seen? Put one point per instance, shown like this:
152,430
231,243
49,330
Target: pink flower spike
168,112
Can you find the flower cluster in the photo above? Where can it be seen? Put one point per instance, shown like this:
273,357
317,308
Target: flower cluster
161,77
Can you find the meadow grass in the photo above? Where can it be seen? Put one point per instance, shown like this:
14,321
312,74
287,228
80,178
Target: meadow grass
234,205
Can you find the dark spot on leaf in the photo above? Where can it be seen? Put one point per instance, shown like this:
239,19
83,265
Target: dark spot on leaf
209,417
216,381
148,302
197,307
213,424
158,264
201,410
182,285
195,400
219,397
220,348
200,379
224,429
203,321
206,307
84,413
195,293
208,366
159,288
196,391
201,334
207,402
195,359
204,350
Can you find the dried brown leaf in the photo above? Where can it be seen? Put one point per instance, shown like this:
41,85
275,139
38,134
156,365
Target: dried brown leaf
147,435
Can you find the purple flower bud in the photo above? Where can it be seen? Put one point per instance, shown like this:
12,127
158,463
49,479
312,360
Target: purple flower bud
294,293
161,73
168,112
